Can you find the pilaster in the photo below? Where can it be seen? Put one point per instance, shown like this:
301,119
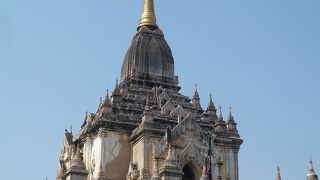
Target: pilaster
236,163
102,171
156,175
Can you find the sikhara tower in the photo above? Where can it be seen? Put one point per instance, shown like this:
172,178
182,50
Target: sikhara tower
146,130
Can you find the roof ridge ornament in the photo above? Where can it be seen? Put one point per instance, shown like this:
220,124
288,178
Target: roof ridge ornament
148,17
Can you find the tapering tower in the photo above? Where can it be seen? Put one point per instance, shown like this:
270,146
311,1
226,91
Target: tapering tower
278,174
311,174
149,59
146,129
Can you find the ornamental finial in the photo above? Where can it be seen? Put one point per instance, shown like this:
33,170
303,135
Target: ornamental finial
148,17
278,176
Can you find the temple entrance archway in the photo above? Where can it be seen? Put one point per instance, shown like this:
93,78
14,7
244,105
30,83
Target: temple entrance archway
188,173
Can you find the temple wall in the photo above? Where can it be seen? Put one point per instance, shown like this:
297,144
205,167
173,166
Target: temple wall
138,154
170,178
87,153
117,155
111,154
96,156
150,162
76,177
142,154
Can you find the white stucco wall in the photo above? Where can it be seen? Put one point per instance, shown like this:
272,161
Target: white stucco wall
96,156
138,154
87,153
111,153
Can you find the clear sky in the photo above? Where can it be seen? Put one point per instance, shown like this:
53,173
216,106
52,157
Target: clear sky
57,57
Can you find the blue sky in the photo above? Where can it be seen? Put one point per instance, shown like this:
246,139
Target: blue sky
57,57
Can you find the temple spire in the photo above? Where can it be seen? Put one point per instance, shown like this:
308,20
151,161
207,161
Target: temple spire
278,176
311,168
116,88
211,104
230,116
196,94
311,174
196,98
148,17
220,117
211,110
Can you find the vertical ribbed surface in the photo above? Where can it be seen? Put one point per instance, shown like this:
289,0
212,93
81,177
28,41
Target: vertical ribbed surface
149,55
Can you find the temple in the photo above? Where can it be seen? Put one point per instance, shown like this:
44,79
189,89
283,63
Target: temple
145,129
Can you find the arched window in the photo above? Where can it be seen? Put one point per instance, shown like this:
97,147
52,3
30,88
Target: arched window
188,173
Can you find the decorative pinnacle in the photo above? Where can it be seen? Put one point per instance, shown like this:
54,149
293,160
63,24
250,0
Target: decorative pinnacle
148,17
116,88
196,94
211,105
230,117
220,117
107,101
311,168
169,159
278,173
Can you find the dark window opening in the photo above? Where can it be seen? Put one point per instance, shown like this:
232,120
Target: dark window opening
187,173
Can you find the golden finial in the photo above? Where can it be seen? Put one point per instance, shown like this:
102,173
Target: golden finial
148,17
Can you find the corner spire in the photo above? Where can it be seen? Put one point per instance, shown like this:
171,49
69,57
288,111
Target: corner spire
220,117
278,177
211,110
196,98
116,88
148,17
107,101
196,94
211,104
311,168
311,174
230,116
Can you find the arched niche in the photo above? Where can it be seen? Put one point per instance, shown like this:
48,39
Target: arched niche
191,171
